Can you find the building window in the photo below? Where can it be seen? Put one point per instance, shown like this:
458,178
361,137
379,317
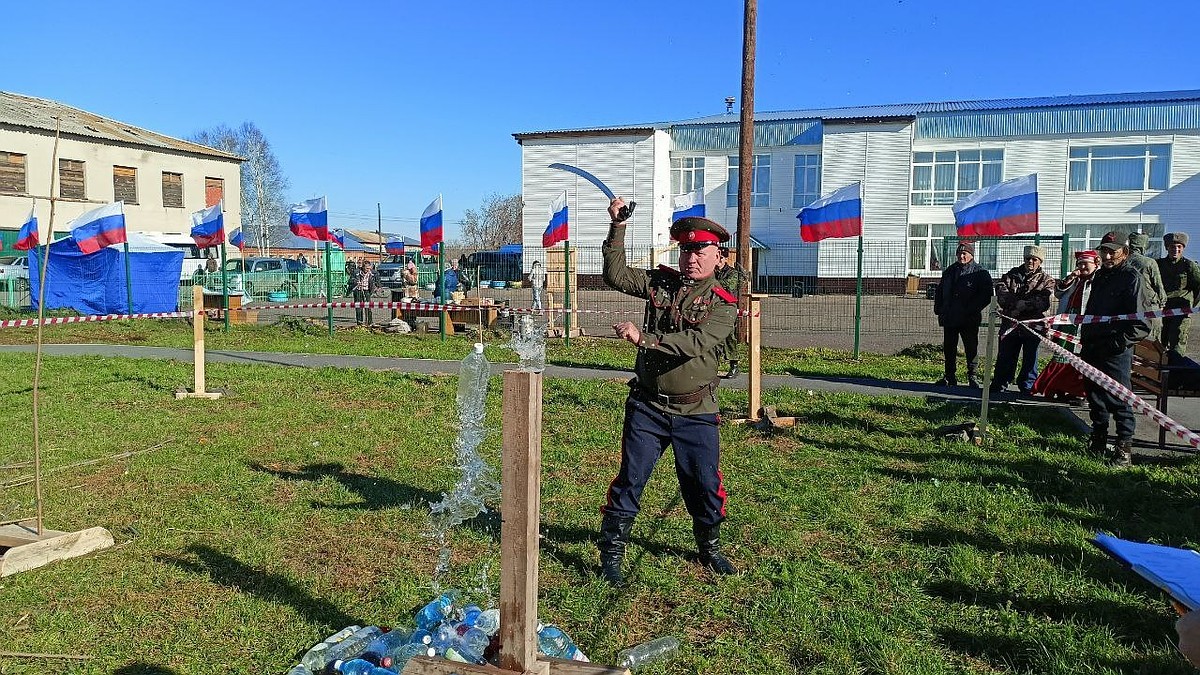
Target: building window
760,182
1085,237
806,186
172,190
925,247
1110,168
943,177
12,173
70,179
214,191
687,175
125,184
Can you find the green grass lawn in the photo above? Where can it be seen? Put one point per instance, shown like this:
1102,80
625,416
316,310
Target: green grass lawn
298,504
916,364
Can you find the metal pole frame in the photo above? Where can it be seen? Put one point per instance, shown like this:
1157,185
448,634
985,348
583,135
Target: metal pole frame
567,292
329,288
224,287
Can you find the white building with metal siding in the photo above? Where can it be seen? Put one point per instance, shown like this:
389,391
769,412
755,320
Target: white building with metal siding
100,160
1128,162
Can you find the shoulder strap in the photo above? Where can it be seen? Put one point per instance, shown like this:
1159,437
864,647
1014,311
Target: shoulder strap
724,294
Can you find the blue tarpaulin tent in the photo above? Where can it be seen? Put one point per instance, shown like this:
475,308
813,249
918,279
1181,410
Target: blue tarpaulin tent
95,284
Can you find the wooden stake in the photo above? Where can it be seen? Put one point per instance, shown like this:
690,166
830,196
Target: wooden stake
520,508
755,354
198,317
521,495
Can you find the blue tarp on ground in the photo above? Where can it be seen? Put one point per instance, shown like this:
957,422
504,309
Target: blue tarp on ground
95,284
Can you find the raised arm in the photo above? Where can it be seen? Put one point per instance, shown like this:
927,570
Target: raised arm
617,273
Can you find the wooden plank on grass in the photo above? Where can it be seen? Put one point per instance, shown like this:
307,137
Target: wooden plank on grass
568,667
19,534
62,546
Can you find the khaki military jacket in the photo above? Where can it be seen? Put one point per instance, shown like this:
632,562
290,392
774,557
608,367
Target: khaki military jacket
685,324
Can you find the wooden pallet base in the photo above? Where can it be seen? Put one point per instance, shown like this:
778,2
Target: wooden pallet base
21,549
426,665
211,395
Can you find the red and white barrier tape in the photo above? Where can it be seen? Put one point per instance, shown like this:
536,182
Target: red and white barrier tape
29,323
1092,318
437,307
1116,389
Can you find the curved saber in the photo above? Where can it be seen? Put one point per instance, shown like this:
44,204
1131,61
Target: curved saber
586,176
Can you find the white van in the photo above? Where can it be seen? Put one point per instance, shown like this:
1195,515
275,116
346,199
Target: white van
193,256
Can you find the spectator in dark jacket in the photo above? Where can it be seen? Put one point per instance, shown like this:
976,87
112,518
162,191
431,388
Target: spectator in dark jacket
1022,293
1157,295
1117,288
966,288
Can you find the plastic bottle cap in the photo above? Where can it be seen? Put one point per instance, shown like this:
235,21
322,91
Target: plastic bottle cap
478,347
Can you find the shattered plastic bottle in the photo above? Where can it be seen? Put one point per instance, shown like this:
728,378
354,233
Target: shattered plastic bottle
317,660
654,650
529,342
488,622
437,611
552,641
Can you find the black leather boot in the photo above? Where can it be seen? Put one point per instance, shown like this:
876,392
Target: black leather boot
708,540
614,535
1122,455
1098,445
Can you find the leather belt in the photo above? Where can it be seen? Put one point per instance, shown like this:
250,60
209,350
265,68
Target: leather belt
643,394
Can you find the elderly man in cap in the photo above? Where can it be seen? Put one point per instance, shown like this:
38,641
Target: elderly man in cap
1022,293
1181,281
966,288
1117,288
672,398
1148,266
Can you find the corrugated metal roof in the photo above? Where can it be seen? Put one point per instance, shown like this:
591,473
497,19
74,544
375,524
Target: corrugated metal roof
1104,118
30,112
689,137
612,129
908,111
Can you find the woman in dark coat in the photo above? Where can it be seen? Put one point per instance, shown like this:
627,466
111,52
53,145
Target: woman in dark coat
965,290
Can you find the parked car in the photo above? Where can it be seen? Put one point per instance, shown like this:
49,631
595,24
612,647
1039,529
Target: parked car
391,270
256,277
14,271
495,266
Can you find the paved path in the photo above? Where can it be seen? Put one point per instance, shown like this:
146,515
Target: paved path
1185,411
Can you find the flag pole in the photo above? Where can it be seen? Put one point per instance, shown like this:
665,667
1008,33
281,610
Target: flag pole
128,277
328,283
567,292
441,286
224,286
858,298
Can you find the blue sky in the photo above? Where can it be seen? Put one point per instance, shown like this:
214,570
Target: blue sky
394,102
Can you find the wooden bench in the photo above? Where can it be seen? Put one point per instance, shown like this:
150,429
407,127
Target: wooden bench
1152,371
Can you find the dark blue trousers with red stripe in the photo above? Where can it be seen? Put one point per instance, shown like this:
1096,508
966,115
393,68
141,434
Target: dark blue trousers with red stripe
696,446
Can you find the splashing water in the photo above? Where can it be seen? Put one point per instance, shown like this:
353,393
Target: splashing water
529,342
478,483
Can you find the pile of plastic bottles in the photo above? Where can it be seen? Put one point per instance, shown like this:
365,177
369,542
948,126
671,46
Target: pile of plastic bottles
445,627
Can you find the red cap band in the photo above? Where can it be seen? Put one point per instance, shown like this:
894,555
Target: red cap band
703,236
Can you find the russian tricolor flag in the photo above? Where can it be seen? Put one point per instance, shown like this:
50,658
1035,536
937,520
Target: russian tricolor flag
691,204
558,228
310,219
237,239
27,238
208,226
395,246
838,215
1010,207
100,227
338,238
431,226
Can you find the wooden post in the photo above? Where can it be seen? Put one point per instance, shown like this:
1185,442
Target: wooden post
198,348
520,508
755,354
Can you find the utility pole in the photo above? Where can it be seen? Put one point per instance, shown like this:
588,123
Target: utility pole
746,159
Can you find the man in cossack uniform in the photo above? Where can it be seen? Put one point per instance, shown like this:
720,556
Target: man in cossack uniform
672,398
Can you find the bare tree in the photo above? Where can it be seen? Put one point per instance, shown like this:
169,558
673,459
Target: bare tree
264,205
497,222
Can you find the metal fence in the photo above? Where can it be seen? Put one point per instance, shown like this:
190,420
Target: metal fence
811,288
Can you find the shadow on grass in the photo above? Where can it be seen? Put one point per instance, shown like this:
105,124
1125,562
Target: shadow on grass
1100,612
227,571
375,492
139,668
1007,653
